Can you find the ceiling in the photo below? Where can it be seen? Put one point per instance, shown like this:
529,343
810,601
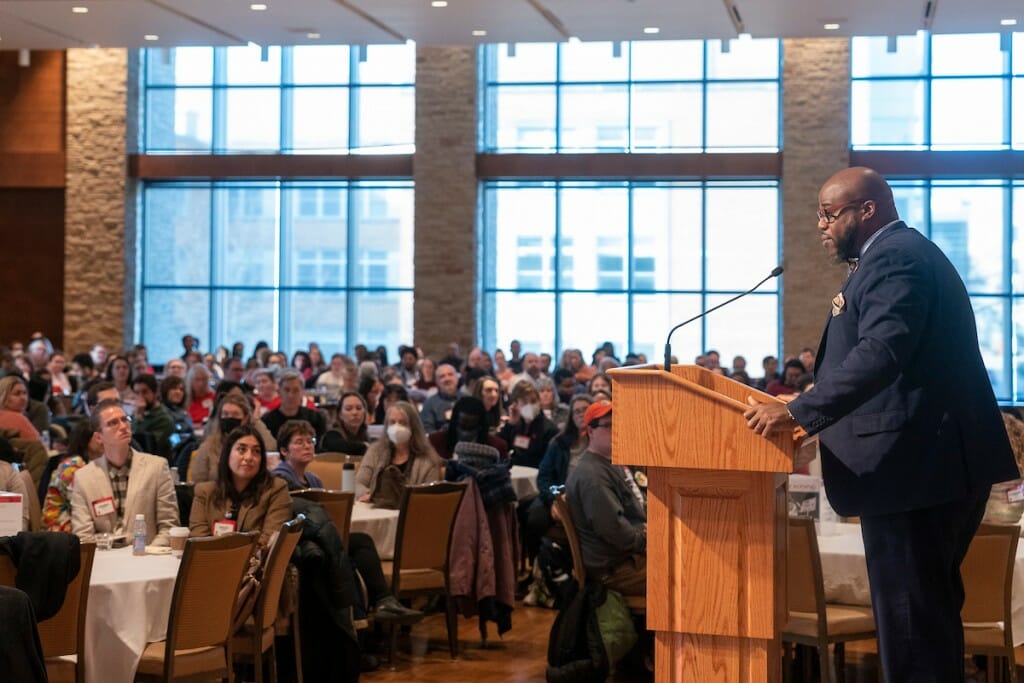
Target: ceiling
53,24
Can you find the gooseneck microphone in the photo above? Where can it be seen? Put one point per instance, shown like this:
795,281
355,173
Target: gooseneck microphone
777,271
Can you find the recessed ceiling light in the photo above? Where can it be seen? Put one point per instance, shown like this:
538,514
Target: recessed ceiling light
1008,22
80,10
651,30
151,36
257,7
574,40
439,3
313,35
831,27
479,33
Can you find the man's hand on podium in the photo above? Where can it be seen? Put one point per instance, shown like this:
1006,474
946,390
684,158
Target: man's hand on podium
769,417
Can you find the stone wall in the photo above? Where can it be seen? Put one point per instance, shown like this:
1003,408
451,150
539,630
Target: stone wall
444,171
95,293
816,134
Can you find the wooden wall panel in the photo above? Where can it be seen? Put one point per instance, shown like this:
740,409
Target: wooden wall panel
32,120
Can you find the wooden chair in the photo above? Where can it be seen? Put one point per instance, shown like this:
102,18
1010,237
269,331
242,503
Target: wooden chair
329,472
256,637
62,636
337,504
331,457
35,509
426,519
637,604
811,620
987,572
198,643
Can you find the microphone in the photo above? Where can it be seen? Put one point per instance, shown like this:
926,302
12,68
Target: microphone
777,271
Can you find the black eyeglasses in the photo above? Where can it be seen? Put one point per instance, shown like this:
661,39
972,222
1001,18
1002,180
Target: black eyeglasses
830,217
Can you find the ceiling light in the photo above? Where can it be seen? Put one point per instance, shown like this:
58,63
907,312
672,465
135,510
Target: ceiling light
574,40
80,10
439,3
651,30
479,33
151,36
313,35
1008,22
831,27
257,7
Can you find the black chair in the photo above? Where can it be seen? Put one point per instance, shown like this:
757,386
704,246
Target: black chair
185,492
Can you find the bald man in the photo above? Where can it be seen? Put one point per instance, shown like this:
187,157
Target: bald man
911,437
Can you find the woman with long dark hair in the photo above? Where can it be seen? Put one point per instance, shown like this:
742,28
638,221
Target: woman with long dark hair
348,433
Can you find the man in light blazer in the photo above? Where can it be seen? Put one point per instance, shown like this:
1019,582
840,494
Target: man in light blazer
111,490
910,434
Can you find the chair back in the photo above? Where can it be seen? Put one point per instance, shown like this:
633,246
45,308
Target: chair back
331,456
987,572
64,633
329,472
35,510
805,585
275,571
426,519
578,571
209,577
337,504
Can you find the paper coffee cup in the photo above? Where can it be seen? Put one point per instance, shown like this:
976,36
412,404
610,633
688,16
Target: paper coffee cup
178,534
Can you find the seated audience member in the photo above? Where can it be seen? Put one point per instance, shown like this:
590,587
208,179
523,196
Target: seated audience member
566,385
610,520
599,382
488,391
61,382
297,442
233,412
807,358
292,394
502,372
198,394
150,416
528,430
234,370
531,371
13,404
468,423
99,392
302,364
553,408
316,358
109,491
438,408
11,482
340,375
267,397
39,392
175,367
791,374
771,366
427,382
370,388
83,372
119,371
394,391
561,458
406,447
349,433
172,396
84,446
243,497
741,376
406,368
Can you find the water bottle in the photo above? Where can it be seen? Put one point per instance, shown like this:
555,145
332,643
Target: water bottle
139,535
348,477
44,437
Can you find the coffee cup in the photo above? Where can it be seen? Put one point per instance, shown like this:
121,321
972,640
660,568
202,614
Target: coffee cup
178,535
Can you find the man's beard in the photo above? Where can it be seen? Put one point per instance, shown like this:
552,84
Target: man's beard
844,248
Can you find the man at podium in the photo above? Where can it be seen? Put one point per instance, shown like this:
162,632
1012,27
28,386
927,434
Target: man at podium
911,437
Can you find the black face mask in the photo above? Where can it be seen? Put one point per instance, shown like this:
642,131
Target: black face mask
229,424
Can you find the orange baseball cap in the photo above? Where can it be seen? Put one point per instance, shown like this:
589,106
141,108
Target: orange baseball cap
597,410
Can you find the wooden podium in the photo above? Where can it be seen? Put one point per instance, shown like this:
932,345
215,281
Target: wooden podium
716,521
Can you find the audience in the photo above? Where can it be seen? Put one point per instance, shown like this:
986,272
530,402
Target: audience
791,374
468,424
13,404
528,430
290,407
348,434
234,411
150,416
84,446
406,448
438,408
488,391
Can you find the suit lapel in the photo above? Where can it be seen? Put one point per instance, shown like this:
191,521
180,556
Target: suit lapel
136,477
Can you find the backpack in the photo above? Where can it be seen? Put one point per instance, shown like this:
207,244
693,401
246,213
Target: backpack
388,490
554,562
576,653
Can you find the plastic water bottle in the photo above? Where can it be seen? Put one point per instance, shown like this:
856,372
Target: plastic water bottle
139,535
44,437
348,477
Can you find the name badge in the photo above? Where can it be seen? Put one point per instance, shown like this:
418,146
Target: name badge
224,526
448,414
1016,494
522,441
103,506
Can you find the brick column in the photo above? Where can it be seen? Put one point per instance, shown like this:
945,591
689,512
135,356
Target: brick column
816,144
444,170
95,261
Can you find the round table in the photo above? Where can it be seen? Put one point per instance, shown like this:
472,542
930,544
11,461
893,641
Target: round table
380,524
524,481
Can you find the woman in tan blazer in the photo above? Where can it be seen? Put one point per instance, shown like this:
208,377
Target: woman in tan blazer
244,497
404,445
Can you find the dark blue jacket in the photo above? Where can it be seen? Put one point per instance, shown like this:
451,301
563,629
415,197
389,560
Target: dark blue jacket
901,399
554,468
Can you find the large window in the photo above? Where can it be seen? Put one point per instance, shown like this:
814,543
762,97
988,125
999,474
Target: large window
944,92
575,264
294,100
652,96
284,262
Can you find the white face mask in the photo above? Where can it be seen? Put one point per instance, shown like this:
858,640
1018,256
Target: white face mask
399,434
529,411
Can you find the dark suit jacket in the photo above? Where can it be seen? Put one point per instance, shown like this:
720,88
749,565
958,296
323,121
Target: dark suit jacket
901,397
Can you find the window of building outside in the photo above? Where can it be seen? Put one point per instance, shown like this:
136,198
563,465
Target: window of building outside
572,264
287,262
959,93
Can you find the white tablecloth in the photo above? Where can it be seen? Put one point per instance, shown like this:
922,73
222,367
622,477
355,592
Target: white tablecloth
129,602
524,481
380,524
846,573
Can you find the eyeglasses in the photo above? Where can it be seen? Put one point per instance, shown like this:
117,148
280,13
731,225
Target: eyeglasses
580,411
304,442
602,425
830,217
124,419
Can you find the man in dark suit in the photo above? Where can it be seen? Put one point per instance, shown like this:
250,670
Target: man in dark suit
910,435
